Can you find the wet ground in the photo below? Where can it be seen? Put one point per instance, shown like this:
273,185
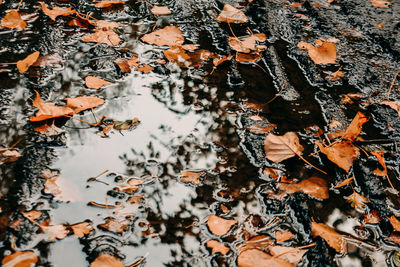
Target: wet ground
197,119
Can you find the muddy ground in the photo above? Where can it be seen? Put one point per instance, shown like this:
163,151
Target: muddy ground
197,119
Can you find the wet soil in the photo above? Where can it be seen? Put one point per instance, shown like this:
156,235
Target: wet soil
197,119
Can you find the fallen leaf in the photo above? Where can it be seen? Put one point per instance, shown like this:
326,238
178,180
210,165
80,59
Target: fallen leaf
145,68
9,155
82,103
108,3
243,58
297,4
190,177
24,64
323,53
81,229
20,259
278,148
373,218
313,186
169,36
395,223
335,76
247,44
56,11
334,124
218,225
125,65
289,254
48,60
381,3
115,225
342,154
62,189
220,60
48,110
381,160
48,130
283,236
130,186
256,258
125,125
357,201
128,208
261,242
54,232
32,215
106,260
230,14
95,82
108,37
257,129
13,20
344,182
217,247
333,238
160,10
179,56
355,127
393,104
104,25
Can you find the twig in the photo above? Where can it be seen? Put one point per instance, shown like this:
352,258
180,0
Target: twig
139,261
19,5
278,94
391,85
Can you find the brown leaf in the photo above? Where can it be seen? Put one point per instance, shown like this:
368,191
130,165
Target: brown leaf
381,3
81,229
48,130
357,201
261,242
62,189
8,155
48,110
342,154
230,14
125,65
105,260
335,76
344,182
179,56
373,218
217,247
32,215
145,68
13,20
220,60
130,186
323,53
48,60
24,64
355,127
257,129
160,10
115,225
108,37
218,225
313,186
104,25
333,238
108,3
283,236
289,254
170,36
247,44
56,11
190,177
381,160
95,82
393,104
278,148
20,259
245,58
82,103
395,223
257,258
54,232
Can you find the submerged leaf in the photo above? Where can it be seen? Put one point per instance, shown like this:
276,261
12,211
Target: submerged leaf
115,225
218,225
278,148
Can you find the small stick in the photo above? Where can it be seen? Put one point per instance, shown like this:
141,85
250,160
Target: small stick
19,5
92,203
280,91
13,244
139,261
391,85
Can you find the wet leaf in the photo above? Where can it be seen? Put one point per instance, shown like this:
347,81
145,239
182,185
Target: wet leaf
48,110
335,76
381,160
355,127
257,129
230,14
333,238
24,64
278,148
54,232
261,242
357,201
81,229
48,130
323,53
125,125
145,68
190,177
108,37
48,60
179,56
289,254
95,82
393,104
220,60
125,65
381,3
32,215
8,155
257,258
246,58
13,20
169,36
105,260
130,186
104,25
313,186
344,182
342,154
56,11
283,236
247,44
372,217
115,225
218,225
160,10
217,247
108,3
62,189
20,259
395,223
82,103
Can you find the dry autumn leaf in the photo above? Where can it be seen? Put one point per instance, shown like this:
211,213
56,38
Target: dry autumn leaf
283,236
381,3
108,3
333,238
81,229
160,10
24,64
48,110
108,37
218,225
357,201
342,154
323,53
169,36
230,14
355,127
190,177
278,148
56,11
314,186
95,82
13,20
20,259
393,104
217,247
106,260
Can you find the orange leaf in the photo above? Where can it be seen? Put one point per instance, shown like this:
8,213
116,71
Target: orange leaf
217,247
393,104
130,186
81,229
218,225
230,14
333,238
395,223
62,189
252,57
335,76
260,242
9,155
283,236
108,3
32,215
170,36
95,83
54,232
104,25
381,160
381,3
344,182
190,177
324,53
108,37
342,154
115,225
313,186
82,103
373,217
48,130
247,44
179,56
56,11
24,64
125,65
145,68
257,129
160,10
13,20
278,148
219,61
20,259
355,127
105,260
357,201
256,258
48,110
